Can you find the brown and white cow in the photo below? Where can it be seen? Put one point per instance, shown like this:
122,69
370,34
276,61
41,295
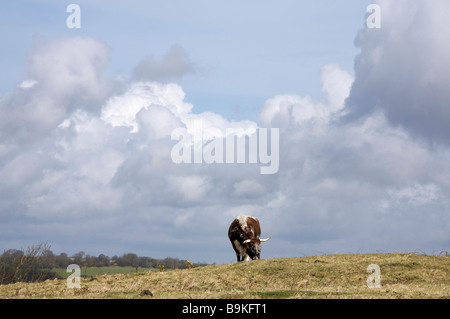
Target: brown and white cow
244,235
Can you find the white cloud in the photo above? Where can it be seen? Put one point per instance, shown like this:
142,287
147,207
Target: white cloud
306,112
27,84
336,83
328,184
414,195
66,72
248,188
60,80
191,188
121,110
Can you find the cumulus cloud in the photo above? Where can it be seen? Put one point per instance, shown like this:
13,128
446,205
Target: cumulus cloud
69,72
337,176
402,69
103,155
95,168
60,79
291,109
122,110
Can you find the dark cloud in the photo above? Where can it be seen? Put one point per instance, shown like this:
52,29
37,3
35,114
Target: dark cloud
403,70
174,65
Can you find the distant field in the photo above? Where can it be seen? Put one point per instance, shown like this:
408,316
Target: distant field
403,276
96,271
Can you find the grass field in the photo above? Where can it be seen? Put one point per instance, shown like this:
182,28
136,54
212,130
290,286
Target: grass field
97,271
326,276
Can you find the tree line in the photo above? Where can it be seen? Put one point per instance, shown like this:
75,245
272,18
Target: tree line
126,260
36,262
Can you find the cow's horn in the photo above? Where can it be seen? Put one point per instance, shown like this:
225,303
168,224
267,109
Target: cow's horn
266,239
246,241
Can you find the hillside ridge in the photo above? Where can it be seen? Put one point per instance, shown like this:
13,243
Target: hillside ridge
402,275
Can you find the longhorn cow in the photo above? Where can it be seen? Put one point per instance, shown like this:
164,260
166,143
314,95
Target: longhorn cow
244,235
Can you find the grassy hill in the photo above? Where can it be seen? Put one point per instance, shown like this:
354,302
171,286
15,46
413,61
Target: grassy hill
327,276
98,271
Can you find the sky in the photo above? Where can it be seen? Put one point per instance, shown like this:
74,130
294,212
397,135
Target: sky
87,117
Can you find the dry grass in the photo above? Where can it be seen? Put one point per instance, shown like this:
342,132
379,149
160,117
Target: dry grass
329,276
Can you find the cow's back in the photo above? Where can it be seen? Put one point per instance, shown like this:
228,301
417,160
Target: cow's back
244,227
234,231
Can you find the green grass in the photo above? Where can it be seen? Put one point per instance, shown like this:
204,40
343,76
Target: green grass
403,276
96,271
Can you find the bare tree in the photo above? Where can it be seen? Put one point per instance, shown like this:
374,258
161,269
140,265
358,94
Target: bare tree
20,265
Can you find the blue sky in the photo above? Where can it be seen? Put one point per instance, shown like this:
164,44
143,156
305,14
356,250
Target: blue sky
245,52
87,116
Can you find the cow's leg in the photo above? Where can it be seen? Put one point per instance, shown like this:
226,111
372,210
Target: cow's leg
237,251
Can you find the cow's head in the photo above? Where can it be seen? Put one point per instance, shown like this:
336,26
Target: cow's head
253,247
